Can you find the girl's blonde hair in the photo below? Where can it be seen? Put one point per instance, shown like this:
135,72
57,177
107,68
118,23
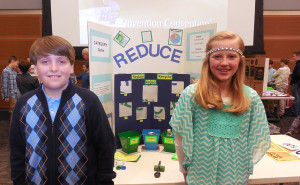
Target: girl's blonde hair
208,94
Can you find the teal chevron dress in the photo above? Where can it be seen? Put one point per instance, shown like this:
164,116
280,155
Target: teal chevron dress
220,147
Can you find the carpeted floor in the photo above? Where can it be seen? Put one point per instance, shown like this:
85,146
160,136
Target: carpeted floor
4,147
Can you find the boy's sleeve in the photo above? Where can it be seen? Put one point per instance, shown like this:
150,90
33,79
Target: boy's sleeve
17,148
4,85
297,70
104,144
274,75
79,76
259,136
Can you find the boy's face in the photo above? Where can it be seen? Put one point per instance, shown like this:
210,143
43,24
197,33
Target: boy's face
85,56
84,68
296,57
15,64
270,66
54,71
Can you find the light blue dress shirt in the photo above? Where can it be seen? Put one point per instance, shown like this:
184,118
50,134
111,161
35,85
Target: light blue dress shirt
53,105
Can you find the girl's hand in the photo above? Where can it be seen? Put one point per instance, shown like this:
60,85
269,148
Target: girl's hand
184,175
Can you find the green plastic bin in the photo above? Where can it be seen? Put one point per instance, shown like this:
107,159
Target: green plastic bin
130,141
168,142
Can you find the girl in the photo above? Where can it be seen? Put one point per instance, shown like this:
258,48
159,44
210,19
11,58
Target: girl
220,125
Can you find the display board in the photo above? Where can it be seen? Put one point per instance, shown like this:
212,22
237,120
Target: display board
257,70
146,100
166,58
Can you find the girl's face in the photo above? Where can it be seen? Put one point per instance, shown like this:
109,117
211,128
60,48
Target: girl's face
224,64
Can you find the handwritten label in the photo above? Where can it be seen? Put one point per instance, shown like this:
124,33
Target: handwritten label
169,140
290,146
150,82
135,140
164,76
151,139
296,153
137,76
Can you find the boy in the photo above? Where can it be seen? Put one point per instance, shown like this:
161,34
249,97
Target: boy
281,77
60,133
271,72
295,83
84,76
9,89
25,81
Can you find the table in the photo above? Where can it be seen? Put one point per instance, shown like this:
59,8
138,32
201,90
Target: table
270,171
266,171
142,172
276,95
289,97
276,98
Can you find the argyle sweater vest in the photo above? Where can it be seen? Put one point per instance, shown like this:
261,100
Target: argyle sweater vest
71,140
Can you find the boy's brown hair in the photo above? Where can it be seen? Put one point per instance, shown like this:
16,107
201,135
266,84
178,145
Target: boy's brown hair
54,45
24,66
285,60
86,64
297,53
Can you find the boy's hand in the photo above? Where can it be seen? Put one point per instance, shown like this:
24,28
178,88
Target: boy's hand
6,100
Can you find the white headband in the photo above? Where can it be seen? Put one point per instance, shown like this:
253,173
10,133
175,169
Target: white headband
222,48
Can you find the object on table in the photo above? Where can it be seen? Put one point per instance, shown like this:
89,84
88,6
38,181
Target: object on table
273,129
120,156
169,132
130,141
168,142
174,157
151,137
157,173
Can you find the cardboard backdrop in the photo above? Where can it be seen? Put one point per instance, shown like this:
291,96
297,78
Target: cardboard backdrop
146,100
142,50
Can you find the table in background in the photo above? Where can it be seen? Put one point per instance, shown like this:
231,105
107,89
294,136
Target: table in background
289,97
266,171
276,98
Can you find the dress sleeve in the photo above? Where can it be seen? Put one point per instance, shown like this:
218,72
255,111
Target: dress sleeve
179,152
259,137
182,122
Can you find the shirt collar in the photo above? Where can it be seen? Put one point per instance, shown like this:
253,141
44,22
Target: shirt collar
48,98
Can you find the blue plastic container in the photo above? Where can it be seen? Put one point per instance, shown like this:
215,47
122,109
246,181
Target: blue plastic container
151,137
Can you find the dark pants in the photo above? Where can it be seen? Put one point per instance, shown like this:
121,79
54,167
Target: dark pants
296,103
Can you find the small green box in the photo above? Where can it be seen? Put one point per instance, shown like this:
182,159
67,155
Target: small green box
168,142
130,141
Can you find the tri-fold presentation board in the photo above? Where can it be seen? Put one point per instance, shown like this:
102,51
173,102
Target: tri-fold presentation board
152,52
146,100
